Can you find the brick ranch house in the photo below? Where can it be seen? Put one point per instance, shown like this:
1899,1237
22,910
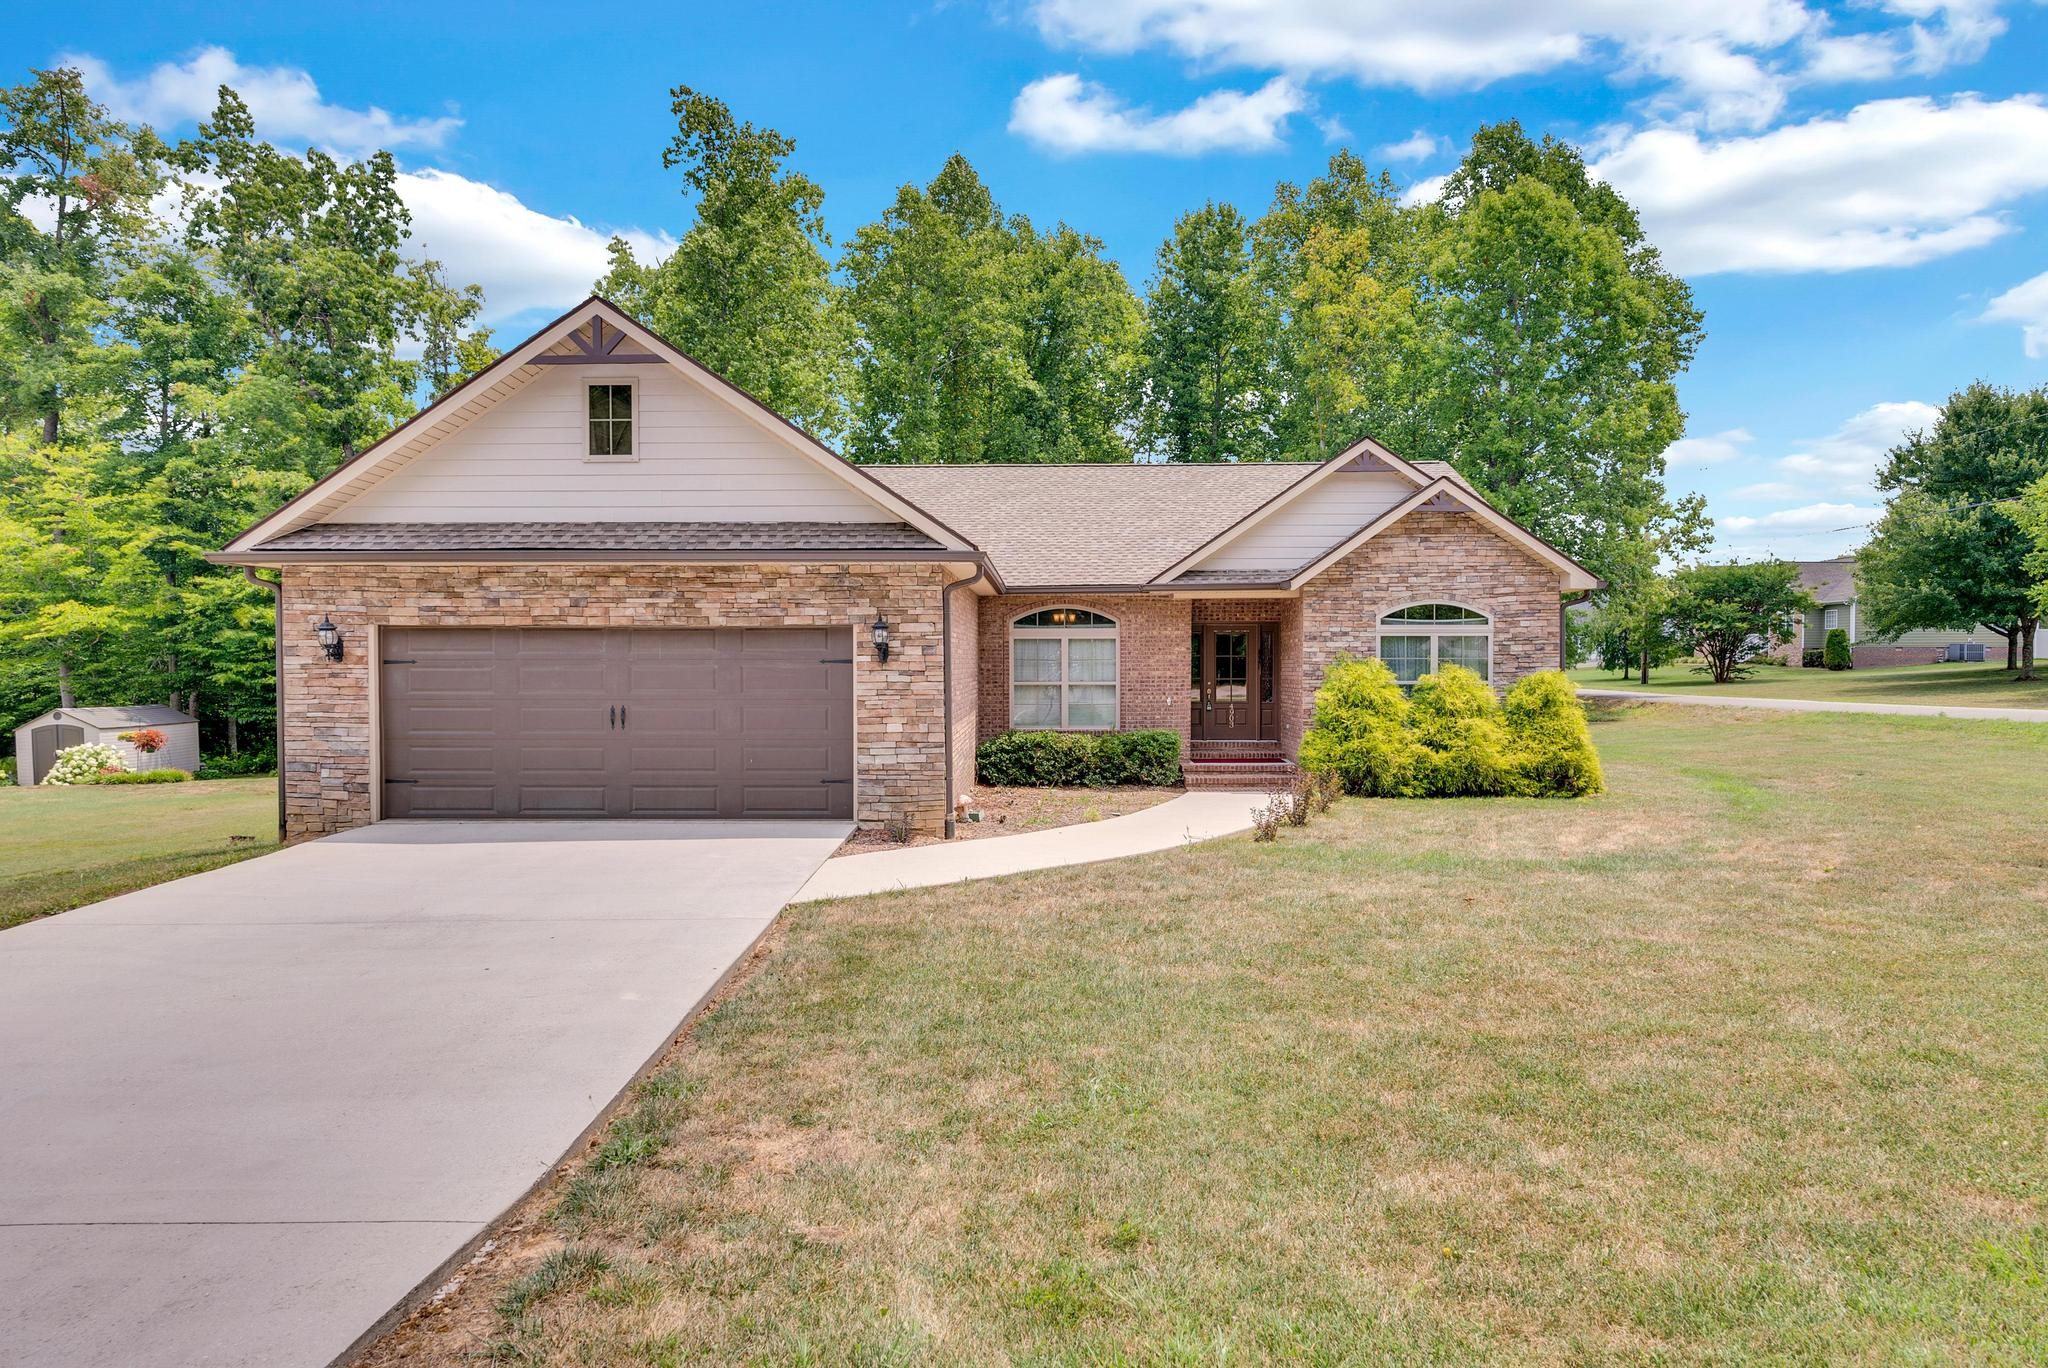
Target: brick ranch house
597,580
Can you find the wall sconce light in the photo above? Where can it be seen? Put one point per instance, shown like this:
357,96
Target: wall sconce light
330,637
880,633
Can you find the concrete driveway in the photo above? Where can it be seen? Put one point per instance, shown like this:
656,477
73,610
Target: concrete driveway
242,1115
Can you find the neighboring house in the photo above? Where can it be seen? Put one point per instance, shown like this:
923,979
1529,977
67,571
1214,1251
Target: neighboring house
1832,583
37,741
599,580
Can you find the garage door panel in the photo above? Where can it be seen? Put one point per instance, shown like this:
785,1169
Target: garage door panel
585,722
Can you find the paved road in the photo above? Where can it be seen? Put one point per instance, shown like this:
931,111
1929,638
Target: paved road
1825,705
242,1115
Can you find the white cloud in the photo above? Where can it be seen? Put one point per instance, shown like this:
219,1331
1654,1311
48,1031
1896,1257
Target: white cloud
1891,183
1816,517
1425,191
1722,53
1700,453
284,101
2027,305
1846,460
1067,114
1416,146
523,258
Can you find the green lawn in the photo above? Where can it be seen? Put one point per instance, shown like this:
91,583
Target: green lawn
64,847
1745,1060
1984,686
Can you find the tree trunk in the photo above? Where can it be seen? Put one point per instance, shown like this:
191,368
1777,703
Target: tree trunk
65,698
50,428
234,737
2012,649
1646,664
2026,641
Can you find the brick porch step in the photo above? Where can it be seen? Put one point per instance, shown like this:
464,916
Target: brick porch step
1257,776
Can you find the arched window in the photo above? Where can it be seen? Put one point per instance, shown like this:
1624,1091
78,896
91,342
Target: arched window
1416,639
1063,670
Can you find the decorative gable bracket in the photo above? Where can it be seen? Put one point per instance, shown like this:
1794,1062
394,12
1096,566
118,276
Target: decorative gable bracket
601,346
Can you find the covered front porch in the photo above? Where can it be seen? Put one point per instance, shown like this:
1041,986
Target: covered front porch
1245,687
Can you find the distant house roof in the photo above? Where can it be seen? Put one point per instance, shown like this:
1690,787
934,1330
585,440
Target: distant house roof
142,715
1829,581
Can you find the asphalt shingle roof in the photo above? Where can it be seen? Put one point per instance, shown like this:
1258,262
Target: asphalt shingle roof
1829,581
142,715
604,536
1088,524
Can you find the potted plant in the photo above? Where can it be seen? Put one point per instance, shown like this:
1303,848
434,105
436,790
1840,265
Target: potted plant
147,742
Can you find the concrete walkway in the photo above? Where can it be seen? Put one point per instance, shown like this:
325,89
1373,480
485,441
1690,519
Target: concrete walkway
246,1113
1176,822
1826,705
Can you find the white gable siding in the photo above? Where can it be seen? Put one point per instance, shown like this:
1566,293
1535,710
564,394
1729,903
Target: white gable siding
1297,534
700,460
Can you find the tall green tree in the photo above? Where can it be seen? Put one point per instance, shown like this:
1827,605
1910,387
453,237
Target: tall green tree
1339,262
1079,331
748,290
74,197
1951,550
1560,340
1206,343
314,250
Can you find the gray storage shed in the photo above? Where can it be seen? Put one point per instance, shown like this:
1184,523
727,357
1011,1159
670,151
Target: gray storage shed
36,742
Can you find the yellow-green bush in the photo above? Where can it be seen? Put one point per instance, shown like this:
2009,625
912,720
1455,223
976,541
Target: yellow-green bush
1360,730
1452,738
1463,742
1550,748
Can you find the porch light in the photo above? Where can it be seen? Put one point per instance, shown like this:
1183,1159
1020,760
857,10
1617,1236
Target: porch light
880,633
330,637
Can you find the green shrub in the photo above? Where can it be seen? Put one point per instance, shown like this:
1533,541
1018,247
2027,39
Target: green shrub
1451,739
6,769
1550,749
1360,729
1456,722
1836,654
1137,757
1813,657
84,764
155,776
236,766
1050,759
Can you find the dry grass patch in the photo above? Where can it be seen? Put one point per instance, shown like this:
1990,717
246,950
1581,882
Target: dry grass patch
1505,1080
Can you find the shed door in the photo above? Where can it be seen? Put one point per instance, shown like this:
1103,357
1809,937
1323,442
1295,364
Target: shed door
541,722
45,742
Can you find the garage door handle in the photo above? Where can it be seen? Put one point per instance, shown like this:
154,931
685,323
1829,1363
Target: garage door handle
835,781
613,717
622,715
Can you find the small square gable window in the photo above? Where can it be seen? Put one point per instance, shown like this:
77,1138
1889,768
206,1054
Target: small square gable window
611,421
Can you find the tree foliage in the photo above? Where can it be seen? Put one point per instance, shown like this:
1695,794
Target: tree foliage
748,290
1951,550
1733,615
1205,342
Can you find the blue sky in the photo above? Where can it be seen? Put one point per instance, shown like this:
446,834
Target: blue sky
1858,193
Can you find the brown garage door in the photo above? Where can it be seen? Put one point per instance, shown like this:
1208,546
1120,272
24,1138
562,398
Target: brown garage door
535,722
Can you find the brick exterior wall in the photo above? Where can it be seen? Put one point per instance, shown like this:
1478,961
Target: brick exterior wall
1429,558
1152,657
329,737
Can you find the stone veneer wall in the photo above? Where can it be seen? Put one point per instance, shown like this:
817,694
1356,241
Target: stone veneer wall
1429,558
1152,656
899,726
966,688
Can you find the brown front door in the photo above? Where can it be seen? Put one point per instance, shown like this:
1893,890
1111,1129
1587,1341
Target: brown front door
575,722
1223,691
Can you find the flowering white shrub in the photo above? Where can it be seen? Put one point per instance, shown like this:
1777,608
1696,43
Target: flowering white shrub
83,764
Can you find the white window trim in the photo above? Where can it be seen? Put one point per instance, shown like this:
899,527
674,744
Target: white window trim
632,383
1063,635
1434,630
1830,618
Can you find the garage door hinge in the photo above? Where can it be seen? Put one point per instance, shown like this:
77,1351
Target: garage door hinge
835,781
401,662
847,661
401,781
